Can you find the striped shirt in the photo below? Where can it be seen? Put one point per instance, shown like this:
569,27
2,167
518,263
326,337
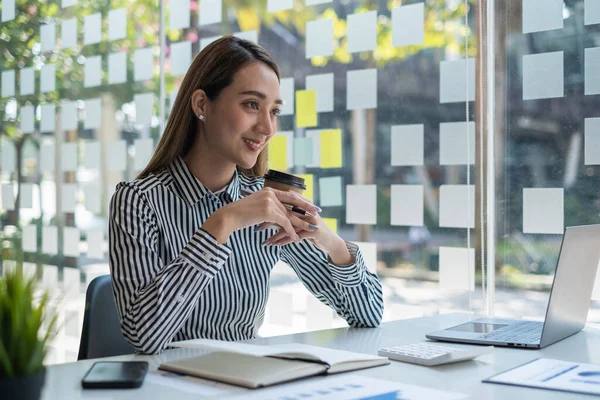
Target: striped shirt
172,281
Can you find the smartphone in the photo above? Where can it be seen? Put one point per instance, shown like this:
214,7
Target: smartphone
115,375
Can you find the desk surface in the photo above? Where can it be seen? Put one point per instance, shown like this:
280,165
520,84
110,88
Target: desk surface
63,381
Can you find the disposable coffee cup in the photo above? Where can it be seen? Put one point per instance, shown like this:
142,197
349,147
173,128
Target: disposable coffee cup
285,182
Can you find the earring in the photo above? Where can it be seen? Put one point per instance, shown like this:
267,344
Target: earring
201,117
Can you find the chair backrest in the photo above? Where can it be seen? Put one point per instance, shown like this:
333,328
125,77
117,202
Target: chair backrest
101,334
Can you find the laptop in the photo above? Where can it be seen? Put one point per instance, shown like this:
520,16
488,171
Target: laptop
570,299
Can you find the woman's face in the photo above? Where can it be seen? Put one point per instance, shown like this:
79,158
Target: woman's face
243,118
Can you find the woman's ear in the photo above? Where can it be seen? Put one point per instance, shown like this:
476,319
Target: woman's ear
199,103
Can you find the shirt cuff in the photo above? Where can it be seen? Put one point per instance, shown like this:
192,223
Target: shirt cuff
351,274
204,253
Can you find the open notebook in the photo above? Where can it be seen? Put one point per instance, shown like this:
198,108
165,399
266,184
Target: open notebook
254,366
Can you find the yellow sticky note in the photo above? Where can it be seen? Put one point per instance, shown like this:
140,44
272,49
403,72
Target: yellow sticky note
331,224
309,193
331,148
278,153
306,108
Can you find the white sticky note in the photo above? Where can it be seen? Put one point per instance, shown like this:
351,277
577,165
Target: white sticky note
8,196
93,113
92,29
143,153
92,75
8,155
69,197
591,12
26,195
91,155
457,268
457,143
71,281
315,2
117,24
323,84
30,239
208,40
210,12
252,36
48,204
407,145
315,136
318,315
143,62
68,157
71,242
368,250
68,115
279,5
117,68
95,240
68,33
453,81
8,10
47,158
92,197
68,3
361,90
49,240
144,107
407,205
592,68
543,210
179,14
8,83
280,308
362,31
181,57
457,206
319,38
592,141
47,37
27,81
408,25
542,15
48,78
543,75
48,118
330,191
287,95
361,204
118,155
27,119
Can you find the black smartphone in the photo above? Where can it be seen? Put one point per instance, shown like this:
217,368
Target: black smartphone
115,375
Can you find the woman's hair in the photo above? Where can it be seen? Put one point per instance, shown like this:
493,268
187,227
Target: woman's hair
212,71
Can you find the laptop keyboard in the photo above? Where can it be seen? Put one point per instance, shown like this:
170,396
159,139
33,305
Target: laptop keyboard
522,332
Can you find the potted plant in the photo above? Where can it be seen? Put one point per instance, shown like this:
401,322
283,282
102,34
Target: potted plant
22,342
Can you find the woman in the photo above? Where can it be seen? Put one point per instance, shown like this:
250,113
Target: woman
186,255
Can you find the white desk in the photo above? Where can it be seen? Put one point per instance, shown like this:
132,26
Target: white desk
63,381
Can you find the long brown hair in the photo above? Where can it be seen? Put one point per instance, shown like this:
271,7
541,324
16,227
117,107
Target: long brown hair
212,71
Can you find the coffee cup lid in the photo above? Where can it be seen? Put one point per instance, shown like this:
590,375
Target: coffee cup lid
287,179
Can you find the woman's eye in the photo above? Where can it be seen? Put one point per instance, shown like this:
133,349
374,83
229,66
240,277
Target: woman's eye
253,105
276,111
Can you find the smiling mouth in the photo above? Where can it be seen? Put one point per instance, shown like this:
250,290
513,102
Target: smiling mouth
253,144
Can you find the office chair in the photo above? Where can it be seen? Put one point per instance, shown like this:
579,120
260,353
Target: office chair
101,334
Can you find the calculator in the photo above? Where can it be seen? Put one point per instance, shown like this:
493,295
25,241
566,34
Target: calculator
431,354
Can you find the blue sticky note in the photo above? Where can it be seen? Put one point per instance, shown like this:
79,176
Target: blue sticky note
303,151
330,190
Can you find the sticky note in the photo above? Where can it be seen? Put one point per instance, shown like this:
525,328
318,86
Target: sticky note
27,119
453,81
330,191
280,308
362,31
8,10
69,157
309,193
8,196
92,197
8,83
181,57
210,12
30,239
71,280
592,76
143,62
368,250
543,75
117,24
48,78
361,204
331,223
303,154
331,148
69,197
319,316
319,38
179,14
118,155
48,188
543,210
457,268
71,242
47,118
306,108
27,81
93,113
323,85
92,29
47,159
68,35
92,75
592,141
117,68
8,155
49,240
95,240
68,3
287,95
30,270
252,36
26,195
591,13
315,135
143,153
315,2
361,91
542,15
457,206
144,108
208,40
407,205
407,145
457,143
408,25
47,37
91,155
68,115
279,5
